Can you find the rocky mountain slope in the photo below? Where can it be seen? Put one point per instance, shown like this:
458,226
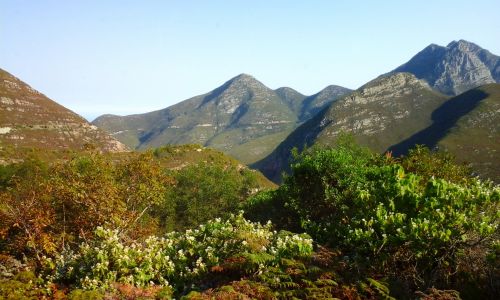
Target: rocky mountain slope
454,69
28,119
379,114
468,127
243,118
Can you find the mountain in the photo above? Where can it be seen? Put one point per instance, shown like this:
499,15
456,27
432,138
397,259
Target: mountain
379,114
305,107
468,127
28,119
454,69
243,118
315,103
292,98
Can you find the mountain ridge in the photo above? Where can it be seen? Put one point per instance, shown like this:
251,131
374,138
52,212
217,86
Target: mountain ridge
29,119
240,111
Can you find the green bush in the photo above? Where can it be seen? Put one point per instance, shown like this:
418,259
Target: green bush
428,164
45,208
273,205
25,285
205,191
85,295
385,219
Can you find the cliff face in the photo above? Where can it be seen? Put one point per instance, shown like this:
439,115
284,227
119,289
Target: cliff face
30,119
454,69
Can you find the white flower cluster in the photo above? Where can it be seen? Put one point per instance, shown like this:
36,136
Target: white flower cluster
176,259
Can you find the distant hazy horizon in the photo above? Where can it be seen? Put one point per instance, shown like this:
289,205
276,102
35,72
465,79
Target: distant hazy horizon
126,57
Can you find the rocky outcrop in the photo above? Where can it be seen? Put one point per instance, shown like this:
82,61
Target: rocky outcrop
30,119
454,69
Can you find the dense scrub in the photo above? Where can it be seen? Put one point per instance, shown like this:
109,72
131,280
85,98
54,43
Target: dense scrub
146,225
179,260
419,221
47,207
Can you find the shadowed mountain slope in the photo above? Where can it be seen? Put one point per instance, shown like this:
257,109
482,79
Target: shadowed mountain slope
468,127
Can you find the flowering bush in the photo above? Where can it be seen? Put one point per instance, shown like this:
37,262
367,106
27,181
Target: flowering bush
386,219
176,260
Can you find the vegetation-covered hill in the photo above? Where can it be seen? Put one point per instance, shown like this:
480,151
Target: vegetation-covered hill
243,118
379,114
29,119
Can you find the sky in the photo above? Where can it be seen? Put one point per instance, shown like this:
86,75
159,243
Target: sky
126,57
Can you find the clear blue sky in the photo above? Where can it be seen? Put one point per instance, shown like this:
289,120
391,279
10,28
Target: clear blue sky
126,57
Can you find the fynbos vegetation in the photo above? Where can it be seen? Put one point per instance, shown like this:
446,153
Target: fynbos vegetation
367,226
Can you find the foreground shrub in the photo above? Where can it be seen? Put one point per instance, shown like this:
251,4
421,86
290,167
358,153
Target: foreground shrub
177,260
45,208
426,163
24,285
387,220
204,191
321,276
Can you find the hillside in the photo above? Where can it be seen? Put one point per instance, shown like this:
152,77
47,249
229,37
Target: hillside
178,157
28,119
467,127
379,114
454,69
243,118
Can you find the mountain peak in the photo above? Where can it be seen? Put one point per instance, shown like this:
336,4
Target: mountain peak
240,111
432,47
330,93
333,89
243,80
453,69
243,77
462,45
286,91
315,103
